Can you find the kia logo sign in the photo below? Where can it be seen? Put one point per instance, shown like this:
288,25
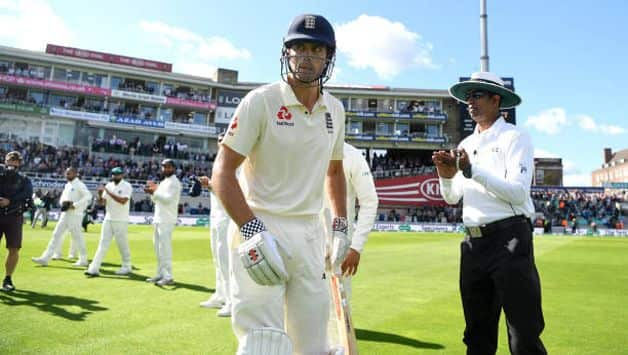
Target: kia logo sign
430,189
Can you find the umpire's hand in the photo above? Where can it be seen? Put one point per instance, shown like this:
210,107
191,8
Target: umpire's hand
445,163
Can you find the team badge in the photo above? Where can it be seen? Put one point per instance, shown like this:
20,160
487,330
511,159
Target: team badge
329,122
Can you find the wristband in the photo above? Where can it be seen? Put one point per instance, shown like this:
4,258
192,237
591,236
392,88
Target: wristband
251,228
340,224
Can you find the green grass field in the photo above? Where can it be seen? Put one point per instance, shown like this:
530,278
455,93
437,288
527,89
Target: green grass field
405,298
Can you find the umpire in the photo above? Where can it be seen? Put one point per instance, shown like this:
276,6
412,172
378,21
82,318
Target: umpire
15,194
492,171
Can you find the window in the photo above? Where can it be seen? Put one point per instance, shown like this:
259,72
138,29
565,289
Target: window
73,76
372,105
94,105
402,129
148,112
384,129
59,74
115,82
432,130
199,118
4,65
167,90
345,103
93,79
355,127
166,114
359,104
152,87
385,105
63,101
36,97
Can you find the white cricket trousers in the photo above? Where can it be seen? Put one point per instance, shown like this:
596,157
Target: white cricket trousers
112,229
220,256
301,306
67,223
162,242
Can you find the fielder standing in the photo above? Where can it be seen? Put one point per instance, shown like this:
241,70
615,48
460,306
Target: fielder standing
166,197
115,196
74,200
360,186
288,137
219,222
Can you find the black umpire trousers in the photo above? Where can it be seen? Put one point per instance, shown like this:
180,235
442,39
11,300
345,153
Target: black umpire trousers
497,271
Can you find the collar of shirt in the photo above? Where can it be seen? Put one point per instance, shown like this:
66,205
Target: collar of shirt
493,130
291,100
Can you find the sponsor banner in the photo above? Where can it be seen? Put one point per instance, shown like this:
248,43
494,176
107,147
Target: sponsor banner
428,139
223,114
392,138
54,85
137,121
416,227
189,103
360,114
405,115
138,96
421,190
108,58
202,221
229,98
24,108
190,127
560,189
79,115
361,137
615,185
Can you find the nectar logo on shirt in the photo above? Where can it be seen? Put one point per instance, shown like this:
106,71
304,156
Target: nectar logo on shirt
283,116
233,125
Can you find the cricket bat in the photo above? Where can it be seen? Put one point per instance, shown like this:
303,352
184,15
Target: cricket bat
342,316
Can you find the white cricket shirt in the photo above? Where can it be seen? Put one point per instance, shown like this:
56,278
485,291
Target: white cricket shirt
77,192
502,159
217,213
287,149
117,212
166,199
360,186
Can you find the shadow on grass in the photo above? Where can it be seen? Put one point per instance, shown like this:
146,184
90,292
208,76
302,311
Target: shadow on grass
107,274
57,305
188,286
379,337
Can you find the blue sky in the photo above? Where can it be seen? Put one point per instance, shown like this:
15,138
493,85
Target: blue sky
567,57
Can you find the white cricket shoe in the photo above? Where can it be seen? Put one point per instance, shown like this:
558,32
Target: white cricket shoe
80,263
123,271
57,257
154,279
164,282
40,261
213,302
225,311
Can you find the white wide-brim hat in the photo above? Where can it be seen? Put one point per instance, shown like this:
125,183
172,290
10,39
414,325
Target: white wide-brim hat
485,81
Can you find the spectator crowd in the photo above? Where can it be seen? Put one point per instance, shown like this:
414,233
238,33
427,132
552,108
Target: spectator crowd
569,209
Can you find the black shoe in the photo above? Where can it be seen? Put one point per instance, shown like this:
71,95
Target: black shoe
7,285
91,274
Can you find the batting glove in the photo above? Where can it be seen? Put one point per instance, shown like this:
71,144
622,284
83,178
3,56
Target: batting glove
260,256
340,243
